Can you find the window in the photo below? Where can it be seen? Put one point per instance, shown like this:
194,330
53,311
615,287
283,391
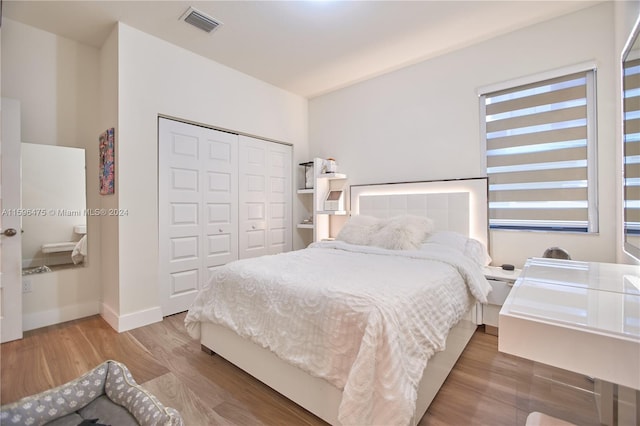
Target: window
540,154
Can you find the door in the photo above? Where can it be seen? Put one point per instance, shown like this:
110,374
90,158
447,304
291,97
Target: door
197,214
10,240
253,197
265,197
220,199
279,196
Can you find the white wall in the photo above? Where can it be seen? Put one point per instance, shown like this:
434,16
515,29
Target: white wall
71,93
156,77
422,122
56,81
110,290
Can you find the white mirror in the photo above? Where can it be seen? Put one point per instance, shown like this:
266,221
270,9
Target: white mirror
53,208
631,145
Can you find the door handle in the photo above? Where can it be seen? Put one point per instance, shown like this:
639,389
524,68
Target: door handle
9,232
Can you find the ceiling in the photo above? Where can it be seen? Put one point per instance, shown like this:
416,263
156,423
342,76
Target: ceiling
308,47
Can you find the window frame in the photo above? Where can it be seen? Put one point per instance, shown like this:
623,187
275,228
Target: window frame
592,222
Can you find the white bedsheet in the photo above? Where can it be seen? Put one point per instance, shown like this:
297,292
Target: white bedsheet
363,318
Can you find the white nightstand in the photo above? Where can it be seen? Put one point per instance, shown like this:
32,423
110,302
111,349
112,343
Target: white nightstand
501,281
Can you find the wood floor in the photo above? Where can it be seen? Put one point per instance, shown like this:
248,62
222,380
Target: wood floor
485,387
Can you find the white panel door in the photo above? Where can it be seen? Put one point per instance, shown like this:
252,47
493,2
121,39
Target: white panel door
279,195
265,197
253,198
220,197
10,240
195,197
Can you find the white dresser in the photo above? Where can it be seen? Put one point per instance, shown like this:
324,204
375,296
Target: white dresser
579,316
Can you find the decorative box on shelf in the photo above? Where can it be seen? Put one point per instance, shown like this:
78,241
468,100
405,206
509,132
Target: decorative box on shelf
308,175
334,201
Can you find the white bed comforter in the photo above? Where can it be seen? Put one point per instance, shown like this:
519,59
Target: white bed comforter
363,318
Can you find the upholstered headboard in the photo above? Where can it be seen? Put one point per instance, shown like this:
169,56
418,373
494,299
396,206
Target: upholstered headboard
454,205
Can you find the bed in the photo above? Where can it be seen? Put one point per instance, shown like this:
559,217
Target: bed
359,333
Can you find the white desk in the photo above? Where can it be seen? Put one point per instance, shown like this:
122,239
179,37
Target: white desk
579,316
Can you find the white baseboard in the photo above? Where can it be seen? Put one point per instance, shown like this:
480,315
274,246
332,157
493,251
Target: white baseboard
128,322
56,316
109,316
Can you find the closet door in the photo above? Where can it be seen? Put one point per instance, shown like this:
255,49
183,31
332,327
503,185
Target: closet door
265,197
220,199
197,214
279,196
253,197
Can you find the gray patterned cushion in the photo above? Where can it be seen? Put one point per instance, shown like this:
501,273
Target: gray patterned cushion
110,378
107,412
123,390
73,419
57,402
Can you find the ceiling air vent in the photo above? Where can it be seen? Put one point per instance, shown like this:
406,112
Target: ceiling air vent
200,20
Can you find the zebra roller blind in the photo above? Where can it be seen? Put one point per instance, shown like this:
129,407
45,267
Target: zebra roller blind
540,140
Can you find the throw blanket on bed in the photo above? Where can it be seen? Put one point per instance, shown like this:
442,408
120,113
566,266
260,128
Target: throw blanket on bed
365,319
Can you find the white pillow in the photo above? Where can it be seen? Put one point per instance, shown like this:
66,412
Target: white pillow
451,239
358,230
470,247
405,232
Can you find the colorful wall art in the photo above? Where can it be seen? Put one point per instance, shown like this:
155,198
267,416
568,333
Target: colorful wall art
107,162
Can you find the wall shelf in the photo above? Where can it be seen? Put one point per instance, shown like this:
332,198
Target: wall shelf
332,176
322,184
333,212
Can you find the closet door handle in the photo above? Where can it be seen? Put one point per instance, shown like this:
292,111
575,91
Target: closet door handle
9,232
